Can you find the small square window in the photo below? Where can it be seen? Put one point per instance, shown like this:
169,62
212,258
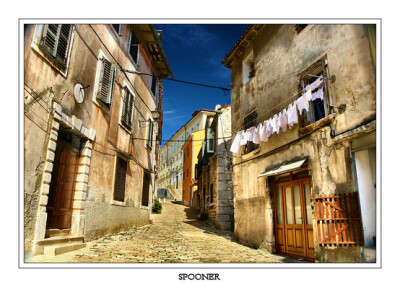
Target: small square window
248,68
117,28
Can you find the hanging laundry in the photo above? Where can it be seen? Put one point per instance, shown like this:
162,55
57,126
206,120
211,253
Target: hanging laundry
263,131
275,124
302,104
292,115
308,95
236,143
245,137
314,84
268,127
319,94
283,119
256,135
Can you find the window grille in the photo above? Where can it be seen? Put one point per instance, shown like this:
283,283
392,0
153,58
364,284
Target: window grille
250,121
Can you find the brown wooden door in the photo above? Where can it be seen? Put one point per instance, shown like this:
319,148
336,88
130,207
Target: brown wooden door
59,207
293,221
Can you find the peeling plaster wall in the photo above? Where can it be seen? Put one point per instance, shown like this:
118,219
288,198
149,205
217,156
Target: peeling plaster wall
279,57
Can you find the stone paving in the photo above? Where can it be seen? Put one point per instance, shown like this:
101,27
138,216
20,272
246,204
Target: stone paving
176,236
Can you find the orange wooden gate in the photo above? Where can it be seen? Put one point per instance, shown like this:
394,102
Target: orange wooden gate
339,219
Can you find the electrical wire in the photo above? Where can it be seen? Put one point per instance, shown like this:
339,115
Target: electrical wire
180,81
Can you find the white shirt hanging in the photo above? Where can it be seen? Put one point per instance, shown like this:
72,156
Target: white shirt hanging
256,135
236,143
319,94
275,124
283,119
302,104
263,131
292,115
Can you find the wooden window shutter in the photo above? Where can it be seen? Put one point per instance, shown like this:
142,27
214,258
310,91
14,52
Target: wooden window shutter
120,178
56,39
145,189
127,109
339,219
104,93
150,135
153,84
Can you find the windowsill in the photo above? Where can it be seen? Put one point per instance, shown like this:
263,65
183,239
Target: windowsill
144,207
53,63
124,128
102,106
318,124
117,203
251,154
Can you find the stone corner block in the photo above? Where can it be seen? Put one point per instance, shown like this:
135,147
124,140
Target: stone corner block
77,123
57,108
92,134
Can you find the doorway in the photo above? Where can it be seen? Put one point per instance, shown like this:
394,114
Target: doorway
293,217
60,202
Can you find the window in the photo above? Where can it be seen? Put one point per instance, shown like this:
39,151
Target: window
150,134
212,193
153,84
210,140
250,121
319,108
299,27
248,68
127,109
117,28
134,47
106,82
145,189
56,41
120,178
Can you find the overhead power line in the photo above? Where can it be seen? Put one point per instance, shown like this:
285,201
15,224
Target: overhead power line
175,80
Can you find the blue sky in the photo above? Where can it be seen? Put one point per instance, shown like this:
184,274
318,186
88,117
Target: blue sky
195,53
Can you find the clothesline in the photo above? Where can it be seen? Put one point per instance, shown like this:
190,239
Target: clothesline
282,120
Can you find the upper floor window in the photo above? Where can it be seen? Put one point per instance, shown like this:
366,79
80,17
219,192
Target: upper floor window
150,127
299,27
106,82
154,84
127,108
250,121
134,47
56,41
117,28
314,79
210,140
248,68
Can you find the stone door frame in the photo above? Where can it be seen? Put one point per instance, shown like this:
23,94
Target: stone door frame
74,125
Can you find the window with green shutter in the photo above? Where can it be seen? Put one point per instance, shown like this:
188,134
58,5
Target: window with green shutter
127,109
56,40
106,83
120,179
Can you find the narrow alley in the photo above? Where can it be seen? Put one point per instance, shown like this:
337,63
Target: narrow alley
176,236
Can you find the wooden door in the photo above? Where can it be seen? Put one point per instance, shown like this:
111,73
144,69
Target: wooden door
293,221
59,207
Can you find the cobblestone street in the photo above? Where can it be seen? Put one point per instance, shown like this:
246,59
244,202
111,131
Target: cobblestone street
176,236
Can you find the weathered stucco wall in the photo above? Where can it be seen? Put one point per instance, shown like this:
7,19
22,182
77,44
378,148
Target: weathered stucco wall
45,84
279,57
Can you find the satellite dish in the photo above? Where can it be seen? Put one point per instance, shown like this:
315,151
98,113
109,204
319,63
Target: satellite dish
79,93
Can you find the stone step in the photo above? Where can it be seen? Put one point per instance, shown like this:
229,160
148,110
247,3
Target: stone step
53,250
60,240
57,232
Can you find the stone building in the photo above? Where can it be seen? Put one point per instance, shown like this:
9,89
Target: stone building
214,197
171,156
90,129
308,191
